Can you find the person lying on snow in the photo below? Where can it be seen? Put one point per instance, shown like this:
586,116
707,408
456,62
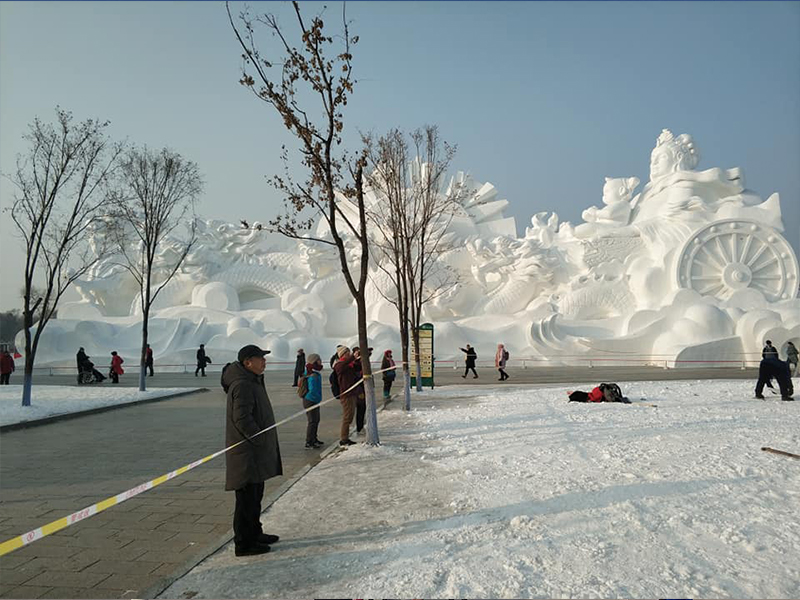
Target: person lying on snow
605,392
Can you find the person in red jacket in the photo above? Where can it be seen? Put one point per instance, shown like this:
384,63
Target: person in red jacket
116,367
596,395
6,367
348,371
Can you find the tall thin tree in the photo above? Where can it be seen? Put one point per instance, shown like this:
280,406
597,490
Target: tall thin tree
394,220
434,209
62,187
157,193
308,85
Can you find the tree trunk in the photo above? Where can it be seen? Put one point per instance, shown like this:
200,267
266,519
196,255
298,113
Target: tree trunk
28,379
366,369
143,355
27,382
405,356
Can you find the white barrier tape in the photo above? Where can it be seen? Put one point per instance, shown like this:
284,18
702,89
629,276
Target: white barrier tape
85,513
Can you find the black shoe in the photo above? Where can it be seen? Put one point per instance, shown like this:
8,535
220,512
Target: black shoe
475,377
347,442
463,377
311,446
787,398
759,397
319,443
252,550
268,538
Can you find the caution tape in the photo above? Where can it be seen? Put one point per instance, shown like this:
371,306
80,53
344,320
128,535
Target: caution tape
90,511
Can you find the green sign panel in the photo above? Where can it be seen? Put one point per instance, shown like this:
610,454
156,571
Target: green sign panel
425,356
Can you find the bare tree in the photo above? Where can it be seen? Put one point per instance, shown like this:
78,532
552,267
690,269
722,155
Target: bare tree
62,191
308,86
434,209
158,191
394,219
412,217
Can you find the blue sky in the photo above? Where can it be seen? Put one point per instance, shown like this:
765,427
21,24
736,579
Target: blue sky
543,99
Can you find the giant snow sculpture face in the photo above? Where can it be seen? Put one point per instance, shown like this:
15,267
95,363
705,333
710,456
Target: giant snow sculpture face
662,163
672,154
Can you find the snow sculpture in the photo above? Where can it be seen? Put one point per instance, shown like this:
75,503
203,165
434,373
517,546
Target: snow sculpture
693,267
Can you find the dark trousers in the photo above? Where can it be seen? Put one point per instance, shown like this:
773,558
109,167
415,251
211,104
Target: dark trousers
247,514
114,377
361,411
766,371
200,369
313,422
503,374
468,369
5,378
387,387
786,387
149,367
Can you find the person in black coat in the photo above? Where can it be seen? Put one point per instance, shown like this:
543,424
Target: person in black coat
249,464
202,361
471,357
299,366
771,367
769,350
81,359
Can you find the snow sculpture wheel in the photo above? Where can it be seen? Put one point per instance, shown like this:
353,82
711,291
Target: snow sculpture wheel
734,254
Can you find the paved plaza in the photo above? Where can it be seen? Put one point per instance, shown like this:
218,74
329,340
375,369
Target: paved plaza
49,471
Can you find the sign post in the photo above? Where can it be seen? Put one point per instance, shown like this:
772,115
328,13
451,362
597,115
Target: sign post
425,356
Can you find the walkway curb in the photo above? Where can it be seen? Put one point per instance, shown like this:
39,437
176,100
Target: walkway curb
92,411
167,581
157,588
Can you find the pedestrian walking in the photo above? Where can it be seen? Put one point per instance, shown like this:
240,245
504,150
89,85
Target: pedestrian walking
791,358
348,372
248,465
312,398
116,367
148,359
299,366
769,350
388,375
81,359
471,357
6,367
202,361
500,359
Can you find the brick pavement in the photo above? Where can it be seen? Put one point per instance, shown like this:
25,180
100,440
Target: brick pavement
50,471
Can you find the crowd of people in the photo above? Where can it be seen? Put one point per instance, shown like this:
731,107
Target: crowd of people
249,413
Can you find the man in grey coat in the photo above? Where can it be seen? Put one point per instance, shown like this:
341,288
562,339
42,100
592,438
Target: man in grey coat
259,457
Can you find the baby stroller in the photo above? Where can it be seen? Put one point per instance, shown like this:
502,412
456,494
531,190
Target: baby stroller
88,374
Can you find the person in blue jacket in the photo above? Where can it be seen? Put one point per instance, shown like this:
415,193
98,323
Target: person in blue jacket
312,398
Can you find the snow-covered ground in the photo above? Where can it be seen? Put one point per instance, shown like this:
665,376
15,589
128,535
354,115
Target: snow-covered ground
51,400
517,494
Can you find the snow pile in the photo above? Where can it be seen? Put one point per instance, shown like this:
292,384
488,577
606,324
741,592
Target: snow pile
518,494
51,400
